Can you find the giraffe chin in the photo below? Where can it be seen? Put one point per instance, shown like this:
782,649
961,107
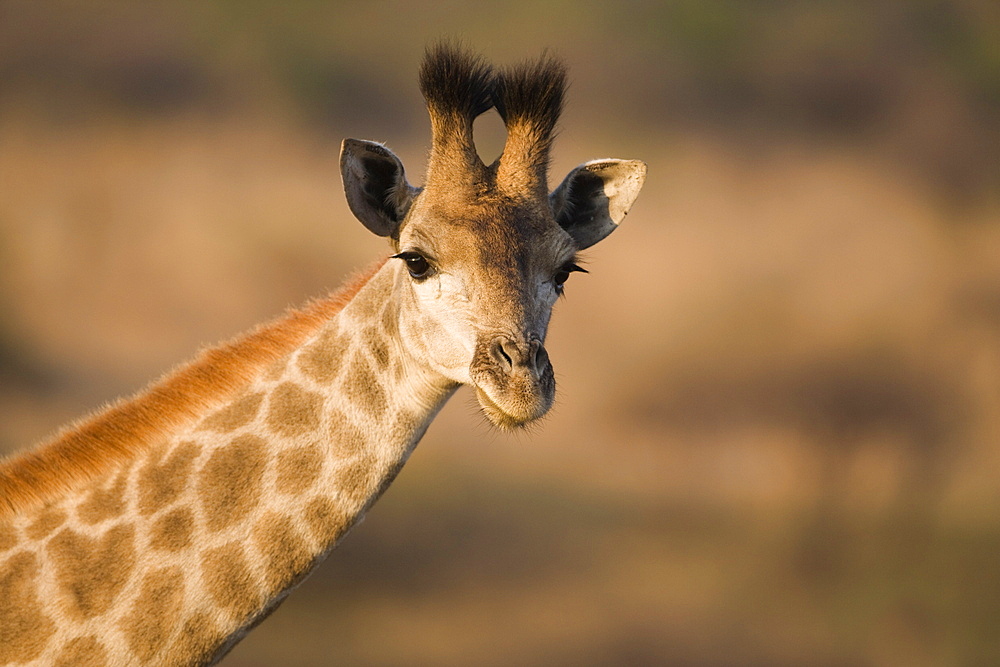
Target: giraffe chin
512,418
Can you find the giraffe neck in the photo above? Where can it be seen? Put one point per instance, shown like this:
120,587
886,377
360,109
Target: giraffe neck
340,417
174,556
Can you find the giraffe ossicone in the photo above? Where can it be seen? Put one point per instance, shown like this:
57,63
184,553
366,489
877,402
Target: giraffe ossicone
162,528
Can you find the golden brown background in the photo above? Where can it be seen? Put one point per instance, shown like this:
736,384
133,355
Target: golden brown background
777,436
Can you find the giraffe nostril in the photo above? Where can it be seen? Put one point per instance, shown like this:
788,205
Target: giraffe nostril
539,356
509,355
504,351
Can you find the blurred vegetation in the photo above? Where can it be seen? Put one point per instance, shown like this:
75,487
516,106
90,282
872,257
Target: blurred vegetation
776,440
920,79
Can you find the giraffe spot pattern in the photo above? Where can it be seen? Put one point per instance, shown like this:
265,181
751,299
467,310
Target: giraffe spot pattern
399,372
8,536
298,469
293,410
153,617
321,360
82,652
47,521
363,389
286,555
104,503
229,486
327,521
276,370
161,482
347,439
379,348
238,413
91,572
390,321
406,424
388,478
24,628
172,531
197,642
357,478
228,579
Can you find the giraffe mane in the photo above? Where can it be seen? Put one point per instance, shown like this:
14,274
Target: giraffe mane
124,428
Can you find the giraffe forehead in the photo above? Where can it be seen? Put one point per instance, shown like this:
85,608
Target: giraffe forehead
490,233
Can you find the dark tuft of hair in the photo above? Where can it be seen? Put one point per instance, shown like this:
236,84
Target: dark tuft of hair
456,82
532,93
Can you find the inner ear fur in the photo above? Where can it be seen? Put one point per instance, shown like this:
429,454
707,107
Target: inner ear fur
375,186
595,197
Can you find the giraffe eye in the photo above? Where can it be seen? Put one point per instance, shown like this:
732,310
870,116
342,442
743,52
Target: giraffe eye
562,275
416,264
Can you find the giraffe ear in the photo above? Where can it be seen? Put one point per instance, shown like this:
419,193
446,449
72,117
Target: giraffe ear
594,198
375,185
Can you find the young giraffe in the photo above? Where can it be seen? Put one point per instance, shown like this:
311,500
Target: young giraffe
162,529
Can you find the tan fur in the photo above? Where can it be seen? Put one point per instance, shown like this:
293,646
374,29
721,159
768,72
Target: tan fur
369,395
230,581
286,554
162,481
327,521
8,536
298,469
47,521
92,571
117,433
172,531
350,440
234,415
229,484
321,360
24,629
82,652
294,411
104,502
195,643
148,627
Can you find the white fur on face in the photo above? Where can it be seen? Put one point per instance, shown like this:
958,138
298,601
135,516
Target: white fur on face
439,323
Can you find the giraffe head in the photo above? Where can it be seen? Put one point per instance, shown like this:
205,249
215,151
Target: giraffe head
483,251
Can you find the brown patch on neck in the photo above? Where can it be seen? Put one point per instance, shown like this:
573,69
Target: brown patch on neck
94,445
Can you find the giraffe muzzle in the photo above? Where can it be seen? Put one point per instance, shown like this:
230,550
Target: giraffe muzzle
513,379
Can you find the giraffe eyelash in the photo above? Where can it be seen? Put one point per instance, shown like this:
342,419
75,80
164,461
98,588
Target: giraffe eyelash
419,267
562,275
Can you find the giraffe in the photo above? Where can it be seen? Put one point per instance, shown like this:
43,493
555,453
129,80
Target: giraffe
162,528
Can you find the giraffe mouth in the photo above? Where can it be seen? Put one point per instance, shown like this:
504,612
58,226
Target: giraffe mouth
505,419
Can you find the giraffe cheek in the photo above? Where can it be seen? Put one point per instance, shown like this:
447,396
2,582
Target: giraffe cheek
448,352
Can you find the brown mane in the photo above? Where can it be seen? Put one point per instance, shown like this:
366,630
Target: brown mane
92,445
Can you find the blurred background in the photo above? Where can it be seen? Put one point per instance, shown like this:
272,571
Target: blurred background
777,436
